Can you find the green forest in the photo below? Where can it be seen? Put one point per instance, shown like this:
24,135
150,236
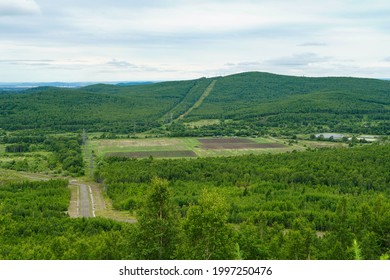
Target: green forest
325,204
300,196
322,199
34,225
247,104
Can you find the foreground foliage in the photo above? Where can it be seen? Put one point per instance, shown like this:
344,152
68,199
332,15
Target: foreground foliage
288,206
326,204
34,225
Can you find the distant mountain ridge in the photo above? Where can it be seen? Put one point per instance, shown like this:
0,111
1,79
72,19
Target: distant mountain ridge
20,86
251,102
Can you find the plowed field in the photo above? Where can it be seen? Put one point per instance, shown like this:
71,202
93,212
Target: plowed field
235,143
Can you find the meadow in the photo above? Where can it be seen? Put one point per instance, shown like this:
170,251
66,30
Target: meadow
179,147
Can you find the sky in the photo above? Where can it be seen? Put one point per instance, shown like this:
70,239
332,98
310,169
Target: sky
128,40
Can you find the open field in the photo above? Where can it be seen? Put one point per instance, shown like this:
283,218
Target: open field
103,147
235,143
188,147
157,154
7,176
202,147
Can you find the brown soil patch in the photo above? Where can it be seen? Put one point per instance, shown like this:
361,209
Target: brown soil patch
240,146
235,143
225,141
156,154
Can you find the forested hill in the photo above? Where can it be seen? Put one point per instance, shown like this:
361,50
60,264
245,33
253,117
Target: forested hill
95,108
260,94
258,102
263,100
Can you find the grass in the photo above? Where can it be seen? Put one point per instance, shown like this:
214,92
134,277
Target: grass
8,176
320,144
263,140
191,143
103,147
74,194
155,154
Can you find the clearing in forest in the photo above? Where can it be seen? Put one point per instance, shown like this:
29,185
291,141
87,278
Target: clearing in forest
188,147
200,100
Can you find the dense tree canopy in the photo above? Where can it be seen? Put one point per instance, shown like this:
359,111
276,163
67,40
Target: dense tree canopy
253,104
319,201
317,204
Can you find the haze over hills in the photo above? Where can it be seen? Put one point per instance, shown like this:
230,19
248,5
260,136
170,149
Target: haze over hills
254,102
25,85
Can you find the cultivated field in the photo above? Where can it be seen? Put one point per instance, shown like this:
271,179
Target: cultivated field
157,154
235,143
187,147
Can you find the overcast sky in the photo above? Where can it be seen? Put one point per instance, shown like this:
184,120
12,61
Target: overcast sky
128,40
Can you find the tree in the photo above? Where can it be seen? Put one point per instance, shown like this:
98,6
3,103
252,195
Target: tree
300,241
341,237
253,241
206,234
342,230
157,225
356,250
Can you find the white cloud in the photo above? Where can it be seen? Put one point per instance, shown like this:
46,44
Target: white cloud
312,44
18,7
176,39
298,60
